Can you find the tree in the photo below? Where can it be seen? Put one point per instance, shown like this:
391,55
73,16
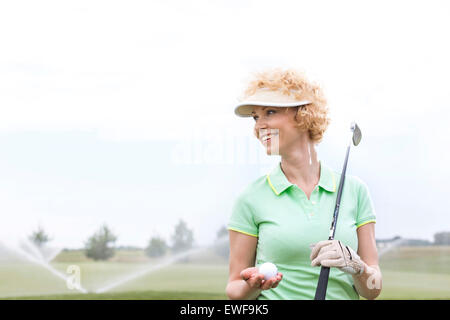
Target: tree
183,238
100,245
442,238
222,245
39,237
157,247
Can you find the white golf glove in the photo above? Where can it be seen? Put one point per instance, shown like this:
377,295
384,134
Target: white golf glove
332,253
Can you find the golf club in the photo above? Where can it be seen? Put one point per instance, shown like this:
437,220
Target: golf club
321,290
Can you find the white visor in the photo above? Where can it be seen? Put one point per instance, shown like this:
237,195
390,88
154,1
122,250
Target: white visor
267,98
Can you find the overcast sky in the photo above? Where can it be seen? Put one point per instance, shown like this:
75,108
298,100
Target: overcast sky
122,111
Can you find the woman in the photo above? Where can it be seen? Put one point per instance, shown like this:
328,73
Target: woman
285,216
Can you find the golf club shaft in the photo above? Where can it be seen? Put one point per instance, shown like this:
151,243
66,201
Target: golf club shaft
338,198
321,289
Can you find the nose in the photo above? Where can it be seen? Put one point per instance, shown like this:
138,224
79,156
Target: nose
261,127
260,124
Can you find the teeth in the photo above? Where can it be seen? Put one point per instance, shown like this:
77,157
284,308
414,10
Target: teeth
266,137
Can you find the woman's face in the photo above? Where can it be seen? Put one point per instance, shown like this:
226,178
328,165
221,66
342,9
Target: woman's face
276,128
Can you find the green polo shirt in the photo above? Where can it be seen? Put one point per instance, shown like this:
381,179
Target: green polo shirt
285,222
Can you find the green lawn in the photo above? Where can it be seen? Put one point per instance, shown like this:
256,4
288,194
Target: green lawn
131,295
415,285
416,273
408,273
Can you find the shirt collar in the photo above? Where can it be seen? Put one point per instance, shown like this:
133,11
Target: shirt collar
278,181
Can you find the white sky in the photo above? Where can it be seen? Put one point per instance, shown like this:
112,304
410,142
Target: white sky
83,84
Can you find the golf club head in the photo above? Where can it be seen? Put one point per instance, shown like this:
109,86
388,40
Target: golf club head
356,133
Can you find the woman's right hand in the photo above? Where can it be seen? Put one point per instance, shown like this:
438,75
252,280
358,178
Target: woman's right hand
255,280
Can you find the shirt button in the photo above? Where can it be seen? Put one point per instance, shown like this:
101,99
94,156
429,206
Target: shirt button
313,202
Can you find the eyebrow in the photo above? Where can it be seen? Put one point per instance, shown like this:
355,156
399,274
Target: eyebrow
253,112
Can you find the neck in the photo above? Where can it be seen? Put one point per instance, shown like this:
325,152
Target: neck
301,165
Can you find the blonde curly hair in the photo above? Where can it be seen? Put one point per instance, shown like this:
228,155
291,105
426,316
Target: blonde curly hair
312,117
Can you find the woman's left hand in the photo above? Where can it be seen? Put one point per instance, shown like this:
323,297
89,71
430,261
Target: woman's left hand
333,253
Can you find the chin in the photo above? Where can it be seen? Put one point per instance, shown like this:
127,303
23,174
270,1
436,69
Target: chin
270,153
269,148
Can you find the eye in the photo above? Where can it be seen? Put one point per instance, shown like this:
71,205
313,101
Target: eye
255,118
270,112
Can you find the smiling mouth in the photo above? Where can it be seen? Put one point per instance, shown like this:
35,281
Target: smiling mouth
266,138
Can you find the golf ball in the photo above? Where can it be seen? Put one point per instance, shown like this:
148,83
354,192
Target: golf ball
269,270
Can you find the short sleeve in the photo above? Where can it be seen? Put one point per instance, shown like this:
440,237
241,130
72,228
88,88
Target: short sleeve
242,218
366,209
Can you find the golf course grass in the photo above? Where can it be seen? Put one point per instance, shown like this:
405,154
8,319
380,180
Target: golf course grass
416,273
130,295
408,273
